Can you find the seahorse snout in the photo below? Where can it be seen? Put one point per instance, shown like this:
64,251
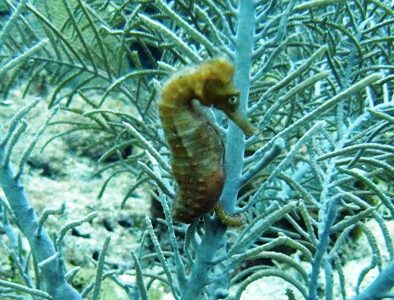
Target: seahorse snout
247,128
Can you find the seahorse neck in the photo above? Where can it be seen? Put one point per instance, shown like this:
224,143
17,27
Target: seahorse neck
181,101
181,91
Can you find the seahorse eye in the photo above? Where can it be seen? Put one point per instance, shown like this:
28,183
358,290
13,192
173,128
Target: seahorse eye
232,100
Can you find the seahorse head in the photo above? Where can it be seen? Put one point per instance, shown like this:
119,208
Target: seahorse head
219,91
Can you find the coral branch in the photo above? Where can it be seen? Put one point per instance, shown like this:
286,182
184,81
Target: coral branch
27,221
380,286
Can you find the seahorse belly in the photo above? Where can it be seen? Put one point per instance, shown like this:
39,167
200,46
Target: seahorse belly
197,161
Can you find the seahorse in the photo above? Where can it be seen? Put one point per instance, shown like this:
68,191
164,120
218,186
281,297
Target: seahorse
196,145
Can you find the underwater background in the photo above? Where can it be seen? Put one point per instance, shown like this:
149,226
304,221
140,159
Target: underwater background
298,122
